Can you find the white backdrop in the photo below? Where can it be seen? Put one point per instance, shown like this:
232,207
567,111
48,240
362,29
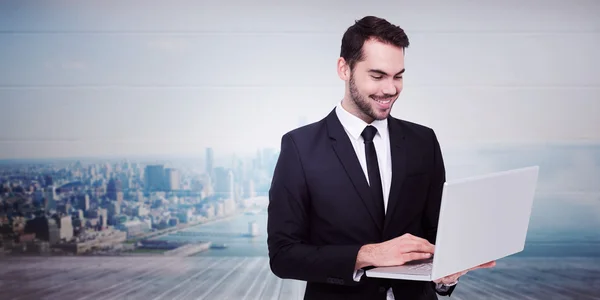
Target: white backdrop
150,76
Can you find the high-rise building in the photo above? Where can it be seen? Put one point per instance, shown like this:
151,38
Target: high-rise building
173,179
65,226
50,198
48,181
155,178
224,183
83,202
113,187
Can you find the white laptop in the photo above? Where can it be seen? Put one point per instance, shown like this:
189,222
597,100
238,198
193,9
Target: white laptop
482,219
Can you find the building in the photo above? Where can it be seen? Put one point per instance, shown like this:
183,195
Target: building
155,178
173,179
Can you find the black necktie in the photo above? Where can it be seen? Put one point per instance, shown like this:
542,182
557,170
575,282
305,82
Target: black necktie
373,169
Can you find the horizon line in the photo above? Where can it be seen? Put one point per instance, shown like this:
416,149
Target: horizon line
449,146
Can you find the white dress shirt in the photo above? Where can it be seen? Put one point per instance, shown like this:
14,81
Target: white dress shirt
354,126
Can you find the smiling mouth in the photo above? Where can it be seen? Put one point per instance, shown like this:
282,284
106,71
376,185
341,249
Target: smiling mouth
383,101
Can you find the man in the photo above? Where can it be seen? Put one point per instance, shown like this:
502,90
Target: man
359,188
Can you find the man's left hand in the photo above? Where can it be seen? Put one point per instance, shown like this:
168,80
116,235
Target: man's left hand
451,279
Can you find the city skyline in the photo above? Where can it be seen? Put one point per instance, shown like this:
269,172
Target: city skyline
122,207
567,180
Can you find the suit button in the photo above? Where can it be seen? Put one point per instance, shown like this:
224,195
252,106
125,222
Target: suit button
382,290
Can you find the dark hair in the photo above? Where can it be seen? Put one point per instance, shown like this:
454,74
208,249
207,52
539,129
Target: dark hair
370,27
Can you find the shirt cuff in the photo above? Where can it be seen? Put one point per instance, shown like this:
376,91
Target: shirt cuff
358,274
444,287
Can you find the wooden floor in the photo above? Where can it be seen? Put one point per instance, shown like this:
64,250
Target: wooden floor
156,278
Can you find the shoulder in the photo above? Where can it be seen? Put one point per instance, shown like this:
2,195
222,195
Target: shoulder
413,130
305,130
306,134
422,140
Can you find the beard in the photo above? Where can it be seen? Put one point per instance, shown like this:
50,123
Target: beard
364,104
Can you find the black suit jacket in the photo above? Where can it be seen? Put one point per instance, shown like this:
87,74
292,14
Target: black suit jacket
320,210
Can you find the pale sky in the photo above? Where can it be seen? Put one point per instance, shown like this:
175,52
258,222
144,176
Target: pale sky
104,79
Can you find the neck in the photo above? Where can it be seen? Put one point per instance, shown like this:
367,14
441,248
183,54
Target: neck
351,107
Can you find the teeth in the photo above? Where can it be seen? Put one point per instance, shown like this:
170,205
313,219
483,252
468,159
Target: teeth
383,101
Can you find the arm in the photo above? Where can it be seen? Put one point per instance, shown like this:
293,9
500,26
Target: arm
290,252
432,211
434,195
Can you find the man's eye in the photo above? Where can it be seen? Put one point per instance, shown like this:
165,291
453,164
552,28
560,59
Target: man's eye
376,77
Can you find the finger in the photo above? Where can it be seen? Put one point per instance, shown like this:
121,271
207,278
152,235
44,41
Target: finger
452,280
490,264
454,277
410,256
457,276
424,248
416,238
480,267
416,249
449,280
418,246
485,265
474,268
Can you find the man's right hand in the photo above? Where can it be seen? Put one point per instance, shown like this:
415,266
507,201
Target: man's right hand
394,252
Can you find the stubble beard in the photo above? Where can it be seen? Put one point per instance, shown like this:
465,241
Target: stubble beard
363,104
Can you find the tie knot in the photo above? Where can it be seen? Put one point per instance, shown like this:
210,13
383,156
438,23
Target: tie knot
369,133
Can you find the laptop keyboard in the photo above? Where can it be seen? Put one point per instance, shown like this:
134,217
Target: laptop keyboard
421,267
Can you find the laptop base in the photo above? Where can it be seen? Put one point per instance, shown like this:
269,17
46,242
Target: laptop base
415,270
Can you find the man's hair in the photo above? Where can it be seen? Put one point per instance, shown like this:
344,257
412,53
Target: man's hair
367,28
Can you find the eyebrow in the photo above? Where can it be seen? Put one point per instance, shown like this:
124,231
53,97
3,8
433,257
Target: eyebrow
384,73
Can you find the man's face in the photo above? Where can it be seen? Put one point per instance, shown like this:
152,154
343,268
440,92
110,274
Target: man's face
376,82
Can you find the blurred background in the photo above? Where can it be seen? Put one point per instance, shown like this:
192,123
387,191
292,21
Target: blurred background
138,138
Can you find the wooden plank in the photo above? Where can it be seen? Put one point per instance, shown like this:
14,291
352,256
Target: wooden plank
160,278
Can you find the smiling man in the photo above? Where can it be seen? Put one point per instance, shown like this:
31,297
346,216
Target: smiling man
359,188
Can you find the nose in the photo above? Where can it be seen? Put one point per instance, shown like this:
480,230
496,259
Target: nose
390,88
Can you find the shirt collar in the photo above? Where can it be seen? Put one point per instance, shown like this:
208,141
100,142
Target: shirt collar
355,126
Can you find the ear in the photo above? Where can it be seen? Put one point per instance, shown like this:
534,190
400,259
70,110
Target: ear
343,69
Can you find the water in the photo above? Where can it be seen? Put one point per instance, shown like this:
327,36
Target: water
560,249
559,245
237,246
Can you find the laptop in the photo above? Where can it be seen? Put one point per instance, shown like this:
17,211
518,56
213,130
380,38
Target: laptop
482,218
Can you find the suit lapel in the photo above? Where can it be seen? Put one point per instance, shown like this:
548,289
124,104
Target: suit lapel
398,148
345,152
